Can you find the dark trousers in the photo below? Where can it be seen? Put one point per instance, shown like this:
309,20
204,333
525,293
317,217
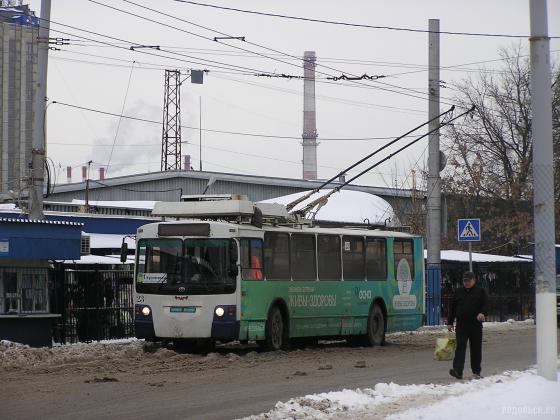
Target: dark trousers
468,332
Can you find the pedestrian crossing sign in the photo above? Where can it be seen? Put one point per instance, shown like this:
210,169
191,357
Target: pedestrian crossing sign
468,230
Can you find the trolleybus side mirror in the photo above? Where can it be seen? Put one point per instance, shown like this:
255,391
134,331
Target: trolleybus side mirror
124,251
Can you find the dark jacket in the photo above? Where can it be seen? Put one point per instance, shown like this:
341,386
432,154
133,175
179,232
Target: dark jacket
467,304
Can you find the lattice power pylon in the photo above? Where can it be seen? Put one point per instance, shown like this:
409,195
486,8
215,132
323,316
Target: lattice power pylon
171,134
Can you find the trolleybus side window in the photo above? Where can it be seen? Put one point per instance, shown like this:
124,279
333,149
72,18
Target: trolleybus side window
303,257
251,259
353,258
403,249
277,256
376,259
328,257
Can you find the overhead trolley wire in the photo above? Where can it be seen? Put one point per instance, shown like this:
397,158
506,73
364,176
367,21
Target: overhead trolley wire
356,25
256,45
217,64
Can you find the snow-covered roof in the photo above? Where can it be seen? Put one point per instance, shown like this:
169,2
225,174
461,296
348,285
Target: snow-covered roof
346,206
98,259
463,256
108,240
134,205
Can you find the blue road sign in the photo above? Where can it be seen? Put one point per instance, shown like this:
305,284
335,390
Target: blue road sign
468,230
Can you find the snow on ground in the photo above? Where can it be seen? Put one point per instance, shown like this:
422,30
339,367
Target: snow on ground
15,355
439,329
512,394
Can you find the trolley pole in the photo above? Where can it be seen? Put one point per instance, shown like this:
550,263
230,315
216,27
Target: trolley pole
433,231
37,180
543,190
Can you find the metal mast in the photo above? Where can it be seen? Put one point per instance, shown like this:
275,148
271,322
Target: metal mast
171,134
309,119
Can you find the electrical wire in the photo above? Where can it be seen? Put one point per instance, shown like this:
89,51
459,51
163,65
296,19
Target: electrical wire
143,51
328,98
120,117
356,25
267,136
254,44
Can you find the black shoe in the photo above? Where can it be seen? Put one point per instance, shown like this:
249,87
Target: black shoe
477,376
455,374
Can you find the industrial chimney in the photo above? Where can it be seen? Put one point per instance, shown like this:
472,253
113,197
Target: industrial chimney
309,119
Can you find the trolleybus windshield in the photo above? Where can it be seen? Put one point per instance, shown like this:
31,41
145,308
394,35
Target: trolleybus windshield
191,266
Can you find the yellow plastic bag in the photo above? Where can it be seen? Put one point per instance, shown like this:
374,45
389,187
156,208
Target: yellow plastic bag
445,349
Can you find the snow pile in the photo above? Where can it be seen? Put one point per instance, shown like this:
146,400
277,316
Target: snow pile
10,344
500,396
19,356
526,396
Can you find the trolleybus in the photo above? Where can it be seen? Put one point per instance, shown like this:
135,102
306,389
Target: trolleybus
228,269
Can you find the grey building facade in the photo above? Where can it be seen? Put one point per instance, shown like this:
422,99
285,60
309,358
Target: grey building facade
18,64
170,185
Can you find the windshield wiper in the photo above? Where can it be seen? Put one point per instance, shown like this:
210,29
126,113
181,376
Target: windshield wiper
162,282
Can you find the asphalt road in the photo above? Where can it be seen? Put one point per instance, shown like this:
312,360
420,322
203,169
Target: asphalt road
233,382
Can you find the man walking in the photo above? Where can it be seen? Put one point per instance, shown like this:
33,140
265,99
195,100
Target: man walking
469,307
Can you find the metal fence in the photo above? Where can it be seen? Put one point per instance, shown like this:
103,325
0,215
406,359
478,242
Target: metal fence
500,307
95,305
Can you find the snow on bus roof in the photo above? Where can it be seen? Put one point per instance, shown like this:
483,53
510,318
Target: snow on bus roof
346,206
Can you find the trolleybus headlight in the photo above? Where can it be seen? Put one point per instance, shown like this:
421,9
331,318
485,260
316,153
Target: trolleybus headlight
219,311
146,310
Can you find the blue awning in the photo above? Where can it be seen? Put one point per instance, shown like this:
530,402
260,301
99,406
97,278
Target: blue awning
25,239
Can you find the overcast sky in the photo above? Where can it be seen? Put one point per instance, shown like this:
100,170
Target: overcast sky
94,75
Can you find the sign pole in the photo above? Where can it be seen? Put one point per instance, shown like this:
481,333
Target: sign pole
469,230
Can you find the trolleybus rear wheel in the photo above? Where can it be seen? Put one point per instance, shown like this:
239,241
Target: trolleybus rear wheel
275,330
376,327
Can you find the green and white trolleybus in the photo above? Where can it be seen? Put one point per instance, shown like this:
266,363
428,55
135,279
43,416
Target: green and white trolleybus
227,269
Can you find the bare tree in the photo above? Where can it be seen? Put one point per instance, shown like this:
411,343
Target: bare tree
489,155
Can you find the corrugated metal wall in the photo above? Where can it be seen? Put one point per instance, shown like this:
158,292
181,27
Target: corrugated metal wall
169,186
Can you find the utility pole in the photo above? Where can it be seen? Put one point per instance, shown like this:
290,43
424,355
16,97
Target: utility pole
37,180
543,190
200,131
433,231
